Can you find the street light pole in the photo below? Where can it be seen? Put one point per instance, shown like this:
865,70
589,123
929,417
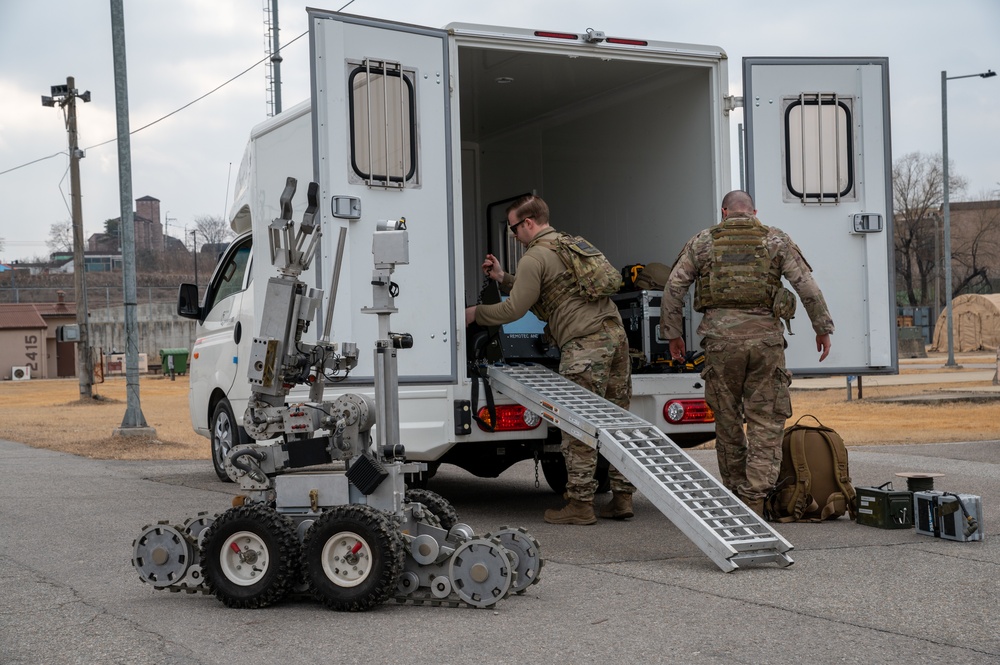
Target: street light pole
945,205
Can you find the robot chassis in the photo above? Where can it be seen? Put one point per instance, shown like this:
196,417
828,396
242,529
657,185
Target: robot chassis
351,533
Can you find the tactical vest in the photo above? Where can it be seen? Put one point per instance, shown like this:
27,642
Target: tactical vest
588,274
741,274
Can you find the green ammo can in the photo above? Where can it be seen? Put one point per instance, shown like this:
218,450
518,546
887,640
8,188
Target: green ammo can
180,358
884,508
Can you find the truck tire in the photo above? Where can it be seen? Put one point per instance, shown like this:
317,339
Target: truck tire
554,470
250,557
353,558
226,434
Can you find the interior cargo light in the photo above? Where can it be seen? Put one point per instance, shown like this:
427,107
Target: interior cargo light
627,42
510,418
556,35
687,411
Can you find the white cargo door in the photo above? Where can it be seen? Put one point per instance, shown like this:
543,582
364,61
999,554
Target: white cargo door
382,119
819,164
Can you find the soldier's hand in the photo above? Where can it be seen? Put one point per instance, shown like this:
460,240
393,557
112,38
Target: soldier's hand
823,345
677,348
492,269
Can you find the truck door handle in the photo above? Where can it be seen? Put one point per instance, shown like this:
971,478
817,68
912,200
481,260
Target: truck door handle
237,332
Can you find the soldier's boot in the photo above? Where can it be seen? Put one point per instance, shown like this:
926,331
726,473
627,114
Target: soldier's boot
619,508
574,512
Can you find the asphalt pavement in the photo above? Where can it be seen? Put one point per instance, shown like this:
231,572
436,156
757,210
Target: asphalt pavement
616,592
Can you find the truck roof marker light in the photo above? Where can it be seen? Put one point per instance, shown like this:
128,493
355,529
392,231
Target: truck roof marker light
557,35
510,418
627,42
687,412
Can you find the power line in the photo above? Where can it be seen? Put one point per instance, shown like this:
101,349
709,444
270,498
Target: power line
34,161
148,125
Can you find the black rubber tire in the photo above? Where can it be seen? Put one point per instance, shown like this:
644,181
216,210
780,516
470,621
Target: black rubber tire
436,504
385,551
280,547
554,470
225,435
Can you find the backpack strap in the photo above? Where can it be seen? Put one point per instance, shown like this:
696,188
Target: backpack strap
847,493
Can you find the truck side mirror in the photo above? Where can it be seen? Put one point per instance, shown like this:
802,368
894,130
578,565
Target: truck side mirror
187,302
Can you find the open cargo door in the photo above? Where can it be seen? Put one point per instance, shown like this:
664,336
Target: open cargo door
382,127
819,165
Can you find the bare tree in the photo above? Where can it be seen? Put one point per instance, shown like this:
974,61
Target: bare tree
975,245
917,196
212,229
60,237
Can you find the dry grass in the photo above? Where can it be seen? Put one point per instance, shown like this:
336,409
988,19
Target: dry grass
49,414
869,422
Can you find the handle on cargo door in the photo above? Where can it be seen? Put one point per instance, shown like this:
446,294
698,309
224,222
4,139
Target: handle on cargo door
238,332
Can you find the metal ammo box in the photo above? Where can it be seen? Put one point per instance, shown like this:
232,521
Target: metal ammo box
640,311
884,508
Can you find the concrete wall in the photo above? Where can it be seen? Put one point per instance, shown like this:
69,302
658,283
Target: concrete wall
159,328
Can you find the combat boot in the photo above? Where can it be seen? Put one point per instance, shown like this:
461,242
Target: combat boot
619,508
574,512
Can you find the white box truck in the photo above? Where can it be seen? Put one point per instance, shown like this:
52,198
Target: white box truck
626,139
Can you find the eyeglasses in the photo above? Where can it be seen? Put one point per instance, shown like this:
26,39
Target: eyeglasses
513,227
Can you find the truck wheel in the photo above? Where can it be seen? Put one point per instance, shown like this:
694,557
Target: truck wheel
436,504
353,558
250,556
554,470
225,435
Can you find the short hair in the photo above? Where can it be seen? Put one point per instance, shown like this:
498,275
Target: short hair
532,206
738,201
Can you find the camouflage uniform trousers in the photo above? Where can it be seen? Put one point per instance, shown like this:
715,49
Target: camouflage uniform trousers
746,381
600,363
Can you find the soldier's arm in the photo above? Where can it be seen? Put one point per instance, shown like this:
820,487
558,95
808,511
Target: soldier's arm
798,272
682,275
525,291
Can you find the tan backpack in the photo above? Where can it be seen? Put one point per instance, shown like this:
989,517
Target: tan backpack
814,482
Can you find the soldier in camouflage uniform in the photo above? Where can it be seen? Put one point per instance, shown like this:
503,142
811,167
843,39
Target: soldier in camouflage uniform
737,268
591,341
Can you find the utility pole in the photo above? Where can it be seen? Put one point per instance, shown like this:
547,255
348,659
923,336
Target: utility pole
65,96
133,423
194,247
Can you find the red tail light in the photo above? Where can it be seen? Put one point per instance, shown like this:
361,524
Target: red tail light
510,418
687,411
627,42
556,35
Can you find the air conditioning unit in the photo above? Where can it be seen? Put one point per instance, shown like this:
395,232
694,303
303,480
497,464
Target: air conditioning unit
20,373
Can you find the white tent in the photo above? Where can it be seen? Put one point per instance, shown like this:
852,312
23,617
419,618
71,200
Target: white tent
975,322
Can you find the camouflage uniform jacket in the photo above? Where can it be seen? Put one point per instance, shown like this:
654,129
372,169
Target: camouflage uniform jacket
718,323
574,317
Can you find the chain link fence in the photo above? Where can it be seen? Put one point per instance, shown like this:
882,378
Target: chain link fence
97,296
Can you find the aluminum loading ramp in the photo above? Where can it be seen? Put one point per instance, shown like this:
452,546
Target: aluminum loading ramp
695,501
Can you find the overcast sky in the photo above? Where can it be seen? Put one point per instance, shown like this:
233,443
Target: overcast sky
178,50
